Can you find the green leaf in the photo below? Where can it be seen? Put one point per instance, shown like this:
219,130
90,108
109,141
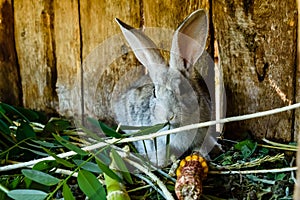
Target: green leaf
58,159
264,151
34,151
70,146
280,176
145,130
23,194
90,185
14,184
247,147
91,133
40,177
5,134
2,110
24,131
29,114
104,158
13,111
67,194
45,165
107,170
109,131
57,125
4,128
89,166
46,144
27,182
121,166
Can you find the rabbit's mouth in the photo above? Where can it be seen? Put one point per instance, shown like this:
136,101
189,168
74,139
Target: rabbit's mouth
172,122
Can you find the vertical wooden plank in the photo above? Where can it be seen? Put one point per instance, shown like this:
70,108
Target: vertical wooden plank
106,56
297,83
35,49
297,111
161,18
97,20
68,60
168,13
257,44
10,91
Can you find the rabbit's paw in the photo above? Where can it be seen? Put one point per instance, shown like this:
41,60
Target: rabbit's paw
190,174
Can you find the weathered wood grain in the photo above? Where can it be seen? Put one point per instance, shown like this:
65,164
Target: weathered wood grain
168,13
10,91
97,20
258,48
35,48
297,83
67,57
297,112
161,18
106,56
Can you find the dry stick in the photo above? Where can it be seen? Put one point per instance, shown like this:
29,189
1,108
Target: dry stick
219,88
292,173
275,144
154,135
209,123
286,169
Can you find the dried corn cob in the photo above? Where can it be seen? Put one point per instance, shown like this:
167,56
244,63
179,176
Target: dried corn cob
190,174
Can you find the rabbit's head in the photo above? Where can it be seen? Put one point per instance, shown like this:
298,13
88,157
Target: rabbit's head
168,93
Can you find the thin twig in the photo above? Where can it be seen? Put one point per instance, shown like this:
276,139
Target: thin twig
293,173
205,124
260,180
154,135
219,88
275,147
286,169
287,146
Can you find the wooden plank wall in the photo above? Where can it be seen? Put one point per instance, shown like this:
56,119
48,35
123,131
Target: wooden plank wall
46,48
10,85
258,52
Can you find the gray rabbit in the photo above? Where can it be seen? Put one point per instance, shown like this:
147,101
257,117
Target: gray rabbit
173,93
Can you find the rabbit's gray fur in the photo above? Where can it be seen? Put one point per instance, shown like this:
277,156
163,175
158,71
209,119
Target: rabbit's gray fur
173,93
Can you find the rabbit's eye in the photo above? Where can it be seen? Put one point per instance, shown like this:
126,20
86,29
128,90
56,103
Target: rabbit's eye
153,90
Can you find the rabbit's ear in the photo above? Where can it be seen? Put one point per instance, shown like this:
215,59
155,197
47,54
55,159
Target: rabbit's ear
189,41
144,49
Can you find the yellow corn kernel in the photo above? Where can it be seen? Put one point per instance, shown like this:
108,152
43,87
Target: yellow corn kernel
195,157
201,159
205,170
188,158
204,165
178,172
182,163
